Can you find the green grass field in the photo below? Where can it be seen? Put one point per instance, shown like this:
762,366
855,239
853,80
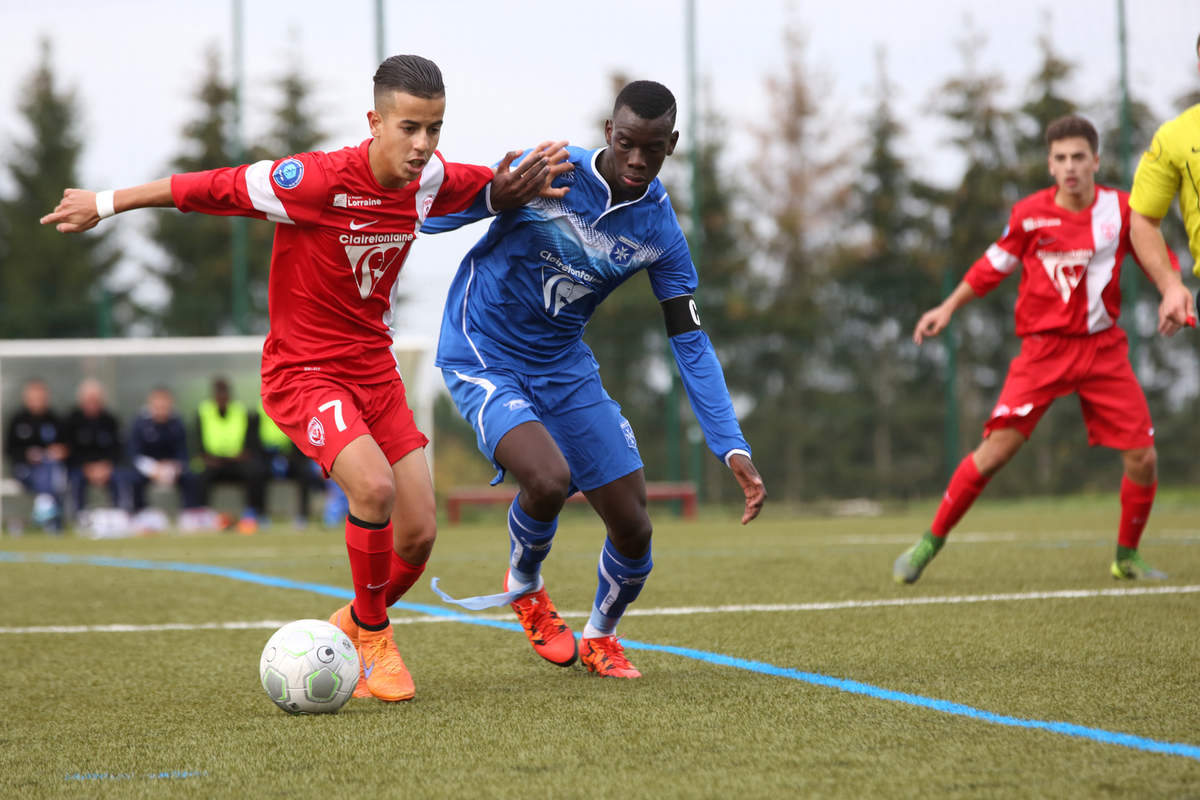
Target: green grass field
103,713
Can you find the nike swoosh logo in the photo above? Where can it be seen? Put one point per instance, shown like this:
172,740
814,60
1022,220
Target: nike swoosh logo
376,587
368,670
355,225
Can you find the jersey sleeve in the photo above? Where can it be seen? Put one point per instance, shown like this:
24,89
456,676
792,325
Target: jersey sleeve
478,206
704,382
291,190
1157,179
673,273
463,186
999,260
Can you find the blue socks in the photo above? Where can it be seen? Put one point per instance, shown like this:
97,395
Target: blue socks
529,543
621,581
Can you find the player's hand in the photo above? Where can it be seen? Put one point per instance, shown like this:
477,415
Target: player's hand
76,212
513,188
751,483
1176,309
931,323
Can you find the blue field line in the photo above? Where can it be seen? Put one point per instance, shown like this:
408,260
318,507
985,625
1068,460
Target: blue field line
719,659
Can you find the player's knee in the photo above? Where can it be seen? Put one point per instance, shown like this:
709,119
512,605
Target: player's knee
632,537
372,497
414,539
1142,465
546,491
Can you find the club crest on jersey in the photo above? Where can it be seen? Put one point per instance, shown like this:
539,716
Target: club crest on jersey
1065,269
316,433
426,205
623,251
1109,231
288,173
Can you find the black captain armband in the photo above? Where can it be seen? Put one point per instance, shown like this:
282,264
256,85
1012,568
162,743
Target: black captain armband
681,315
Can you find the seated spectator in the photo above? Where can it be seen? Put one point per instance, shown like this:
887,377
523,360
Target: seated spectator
158,451
228,436
94,444
36,451
284,460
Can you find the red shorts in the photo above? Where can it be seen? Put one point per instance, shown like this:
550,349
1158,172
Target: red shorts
322,414
1096,368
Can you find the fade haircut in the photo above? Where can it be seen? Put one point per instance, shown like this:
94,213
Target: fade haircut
647,99
410,74
1071,126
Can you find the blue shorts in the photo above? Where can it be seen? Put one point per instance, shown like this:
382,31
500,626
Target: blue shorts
584,421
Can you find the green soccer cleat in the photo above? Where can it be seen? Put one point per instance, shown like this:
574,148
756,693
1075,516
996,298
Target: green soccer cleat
912,562
1134,568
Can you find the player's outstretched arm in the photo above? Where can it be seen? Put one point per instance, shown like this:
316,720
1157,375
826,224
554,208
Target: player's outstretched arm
80,210
1177,307
751,483
513,188
935,320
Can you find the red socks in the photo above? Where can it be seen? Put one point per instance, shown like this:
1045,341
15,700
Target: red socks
370,549
965,486
403,576
1135,510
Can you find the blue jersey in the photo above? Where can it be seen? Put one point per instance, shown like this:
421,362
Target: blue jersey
524,293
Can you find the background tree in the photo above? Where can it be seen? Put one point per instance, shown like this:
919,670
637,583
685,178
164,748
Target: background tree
50,284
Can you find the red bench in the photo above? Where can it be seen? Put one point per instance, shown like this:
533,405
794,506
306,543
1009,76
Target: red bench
502,495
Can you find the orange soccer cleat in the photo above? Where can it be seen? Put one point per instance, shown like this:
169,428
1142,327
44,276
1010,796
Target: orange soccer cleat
382,667
605,657
549,635
343,620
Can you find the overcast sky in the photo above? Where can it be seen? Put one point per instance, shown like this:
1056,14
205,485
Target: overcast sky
519,72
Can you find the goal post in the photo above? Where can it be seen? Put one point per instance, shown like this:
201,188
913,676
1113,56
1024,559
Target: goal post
129,368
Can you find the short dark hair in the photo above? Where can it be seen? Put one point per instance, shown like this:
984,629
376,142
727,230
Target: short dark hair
1073,125
647,99
410,74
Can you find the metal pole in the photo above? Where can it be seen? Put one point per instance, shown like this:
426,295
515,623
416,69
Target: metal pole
950,421
1132,284
239,239
380,55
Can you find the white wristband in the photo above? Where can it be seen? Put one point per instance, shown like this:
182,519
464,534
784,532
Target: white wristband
735,452
104,203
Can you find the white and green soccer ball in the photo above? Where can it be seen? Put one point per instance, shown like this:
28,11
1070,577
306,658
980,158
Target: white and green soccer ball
309,667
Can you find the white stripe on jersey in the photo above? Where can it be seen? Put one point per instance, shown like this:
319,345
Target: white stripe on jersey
466,296
1106,221
431,181
262,193
489,389
1001,259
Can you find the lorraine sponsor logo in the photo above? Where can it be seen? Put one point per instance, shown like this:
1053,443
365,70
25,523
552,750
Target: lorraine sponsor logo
316,432
343,200
1065,268
370,262
1033,223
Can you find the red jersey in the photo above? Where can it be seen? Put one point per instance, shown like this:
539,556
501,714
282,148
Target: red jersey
1070,284
340,242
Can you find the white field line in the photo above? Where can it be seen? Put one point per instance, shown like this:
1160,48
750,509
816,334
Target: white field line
836,605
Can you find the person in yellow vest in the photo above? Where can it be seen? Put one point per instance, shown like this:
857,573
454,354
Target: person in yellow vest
1169,167
228,438
285,461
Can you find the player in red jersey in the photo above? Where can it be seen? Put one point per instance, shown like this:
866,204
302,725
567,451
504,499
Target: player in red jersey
1069,241
346,220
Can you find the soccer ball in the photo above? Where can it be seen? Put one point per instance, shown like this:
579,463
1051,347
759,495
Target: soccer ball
309,667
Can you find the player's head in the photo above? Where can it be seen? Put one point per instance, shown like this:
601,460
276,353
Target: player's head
35,395
160,403
220,391
640,136
1074,154
90,397
406,122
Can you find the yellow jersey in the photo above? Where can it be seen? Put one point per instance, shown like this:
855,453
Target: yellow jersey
1172,166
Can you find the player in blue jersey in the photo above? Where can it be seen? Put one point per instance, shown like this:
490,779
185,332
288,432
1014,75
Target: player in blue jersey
513,357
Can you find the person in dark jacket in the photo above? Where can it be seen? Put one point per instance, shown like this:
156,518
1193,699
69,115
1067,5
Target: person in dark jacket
94,442
36,451
158,450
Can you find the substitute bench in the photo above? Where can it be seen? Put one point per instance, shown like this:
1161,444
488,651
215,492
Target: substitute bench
502,495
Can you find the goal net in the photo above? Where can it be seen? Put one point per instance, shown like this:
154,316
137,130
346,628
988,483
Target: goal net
129,368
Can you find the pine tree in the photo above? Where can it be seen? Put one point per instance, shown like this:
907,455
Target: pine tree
51,285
